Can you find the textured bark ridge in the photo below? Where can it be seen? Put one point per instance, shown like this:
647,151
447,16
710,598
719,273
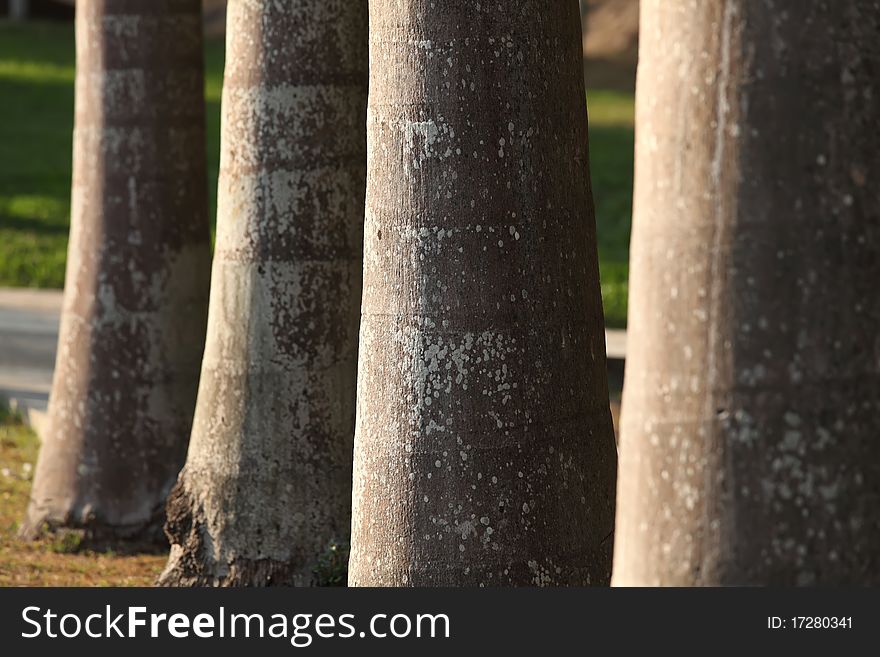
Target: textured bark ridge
267,483
136,290
751,409
484,451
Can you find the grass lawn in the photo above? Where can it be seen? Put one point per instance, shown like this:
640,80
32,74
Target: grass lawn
36,117
612,115
51,561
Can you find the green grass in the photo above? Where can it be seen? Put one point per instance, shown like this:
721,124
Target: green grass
36,120
611,168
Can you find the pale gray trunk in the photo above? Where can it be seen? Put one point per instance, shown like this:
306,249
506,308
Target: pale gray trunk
135,298
751,412
484,451
19,9
267,484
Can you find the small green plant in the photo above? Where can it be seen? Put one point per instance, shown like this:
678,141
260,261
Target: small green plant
10,414
67,542
332,569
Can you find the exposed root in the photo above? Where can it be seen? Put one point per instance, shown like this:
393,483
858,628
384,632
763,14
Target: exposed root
192,562
97,536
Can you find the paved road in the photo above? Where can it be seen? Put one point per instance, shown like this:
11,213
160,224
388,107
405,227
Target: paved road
29,333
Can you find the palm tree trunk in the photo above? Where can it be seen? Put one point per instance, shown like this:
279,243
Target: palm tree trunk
19,10
135,299
751,409
484,451
267,484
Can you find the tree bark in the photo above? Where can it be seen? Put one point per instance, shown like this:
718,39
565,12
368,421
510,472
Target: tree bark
267,484
135,299
751,407
484,450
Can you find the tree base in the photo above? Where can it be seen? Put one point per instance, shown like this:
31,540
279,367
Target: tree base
96,536
187,570
191,564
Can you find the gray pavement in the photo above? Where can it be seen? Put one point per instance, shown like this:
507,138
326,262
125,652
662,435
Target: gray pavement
28,336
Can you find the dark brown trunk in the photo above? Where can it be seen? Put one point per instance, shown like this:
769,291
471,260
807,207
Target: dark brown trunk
484,448
751,408
266,490
133,322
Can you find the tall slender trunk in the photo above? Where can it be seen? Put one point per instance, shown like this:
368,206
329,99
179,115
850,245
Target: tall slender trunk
484,451
751,408
19,9
135,298
267,484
